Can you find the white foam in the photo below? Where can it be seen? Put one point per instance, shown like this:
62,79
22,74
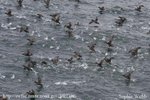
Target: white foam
13,76
2,76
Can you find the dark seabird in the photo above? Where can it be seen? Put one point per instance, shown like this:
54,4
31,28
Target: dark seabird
39,16
94,21
24,29
27,68
92,47
70,60
31,94
31,40
55,60
110,41
108,60
77,55
69,26
44,63
100,63
120,21
56,18
47,2
20,3
134,51
9,13
29,65
139,8
101,10
27,53
38,82
128,75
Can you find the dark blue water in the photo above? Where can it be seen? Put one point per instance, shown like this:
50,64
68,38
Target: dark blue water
81,80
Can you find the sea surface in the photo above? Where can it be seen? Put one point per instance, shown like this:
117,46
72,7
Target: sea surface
83,79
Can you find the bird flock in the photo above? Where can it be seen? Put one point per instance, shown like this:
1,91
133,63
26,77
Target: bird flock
30,64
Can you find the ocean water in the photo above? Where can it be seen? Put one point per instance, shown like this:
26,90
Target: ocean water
82,79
